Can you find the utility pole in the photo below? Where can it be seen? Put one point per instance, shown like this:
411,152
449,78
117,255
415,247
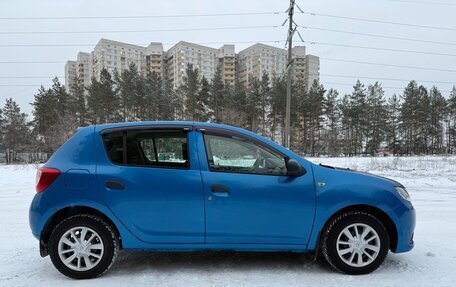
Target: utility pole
291,31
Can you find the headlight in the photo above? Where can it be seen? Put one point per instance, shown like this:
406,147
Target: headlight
403,192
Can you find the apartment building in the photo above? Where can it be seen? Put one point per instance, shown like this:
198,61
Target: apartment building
250,62
253,61
77,72
205,59
82,68
113,55
312,70
70,75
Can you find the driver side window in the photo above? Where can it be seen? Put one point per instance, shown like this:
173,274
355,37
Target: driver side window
232,154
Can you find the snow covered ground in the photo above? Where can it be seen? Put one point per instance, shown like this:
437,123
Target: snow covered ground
430,180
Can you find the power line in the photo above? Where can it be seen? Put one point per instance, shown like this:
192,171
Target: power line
378,21
135,31
386,79
140,44
378,36
389,65
422,2
28,77
37,85
145,16
392,88
380,49
32,62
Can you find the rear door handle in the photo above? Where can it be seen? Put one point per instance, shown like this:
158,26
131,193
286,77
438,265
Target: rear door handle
220,190
114,184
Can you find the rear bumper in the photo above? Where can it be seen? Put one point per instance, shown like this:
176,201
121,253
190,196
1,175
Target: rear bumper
39,212
405,227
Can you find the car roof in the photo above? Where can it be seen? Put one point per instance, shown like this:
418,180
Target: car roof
101,127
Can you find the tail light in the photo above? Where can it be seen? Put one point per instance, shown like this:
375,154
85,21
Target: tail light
45,177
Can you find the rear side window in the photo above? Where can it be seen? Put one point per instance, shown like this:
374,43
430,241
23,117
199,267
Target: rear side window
151,148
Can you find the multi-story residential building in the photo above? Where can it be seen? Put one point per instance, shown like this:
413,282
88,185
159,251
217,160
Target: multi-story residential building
82,68
77,72
70,75
205,59
260,58
312,70
227,62
113,55
250,62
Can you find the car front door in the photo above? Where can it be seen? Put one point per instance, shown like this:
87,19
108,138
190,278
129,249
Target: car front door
249,197
150,179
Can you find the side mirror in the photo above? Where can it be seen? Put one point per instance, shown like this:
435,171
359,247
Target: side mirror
294,169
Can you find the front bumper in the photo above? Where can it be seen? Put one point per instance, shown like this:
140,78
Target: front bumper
406,216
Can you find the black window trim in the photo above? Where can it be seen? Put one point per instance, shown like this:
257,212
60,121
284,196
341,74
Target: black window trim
237,135
152,128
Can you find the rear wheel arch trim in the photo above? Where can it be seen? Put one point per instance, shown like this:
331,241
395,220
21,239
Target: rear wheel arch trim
67,212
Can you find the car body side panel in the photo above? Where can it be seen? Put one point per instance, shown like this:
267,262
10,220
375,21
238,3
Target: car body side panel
344,188
158,205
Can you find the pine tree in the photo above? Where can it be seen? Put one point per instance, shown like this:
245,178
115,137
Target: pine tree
102,101
202,101
77,103
315,116
437,114
189,90
452,121
169,104
15,132
332,116
264,105
217,101
299,117
393,137
277,115
253,106
236,105
131,92
377,122
414,118
153,89
359,115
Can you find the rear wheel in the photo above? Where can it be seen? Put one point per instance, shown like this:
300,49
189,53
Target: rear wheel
83,246
355,243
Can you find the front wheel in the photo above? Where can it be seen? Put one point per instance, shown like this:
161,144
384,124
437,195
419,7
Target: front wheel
355,243
83,246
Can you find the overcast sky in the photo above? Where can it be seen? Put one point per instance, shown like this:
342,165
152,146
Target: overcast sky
414,12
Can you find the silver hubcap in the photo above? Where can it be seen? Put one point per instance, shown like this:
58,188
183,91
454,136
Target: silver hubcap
358,245
80,248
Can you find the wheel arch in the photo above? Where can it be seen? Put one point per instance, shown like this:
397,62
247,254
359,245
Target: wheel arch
66,212
381,215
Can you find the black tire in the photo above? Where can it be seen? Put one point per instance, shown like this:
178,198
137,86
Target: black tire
337,225
106,233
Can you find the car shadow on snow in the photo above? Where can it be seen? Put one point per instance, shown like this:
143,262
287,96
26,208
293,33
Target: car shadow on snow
216,261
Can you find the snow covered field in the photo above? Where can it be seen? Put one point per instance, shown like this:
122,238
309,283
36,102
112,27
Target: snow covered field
431,182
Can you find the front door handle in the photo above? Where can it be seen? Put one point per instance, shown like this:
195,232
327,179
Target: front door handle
114,184
220,190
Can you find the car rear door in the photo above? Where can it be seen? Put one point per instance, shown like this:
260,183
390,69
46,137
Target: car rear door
150,178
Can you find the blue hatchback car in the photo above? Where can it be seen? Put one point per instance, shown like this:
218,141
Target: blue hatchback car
185,186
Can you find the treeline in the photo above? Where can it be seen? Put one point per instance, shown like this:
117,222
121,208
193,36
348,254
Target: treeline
420,121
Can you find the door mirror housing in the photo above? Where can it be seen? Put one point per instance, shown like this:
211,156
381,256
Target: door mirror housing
294,169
